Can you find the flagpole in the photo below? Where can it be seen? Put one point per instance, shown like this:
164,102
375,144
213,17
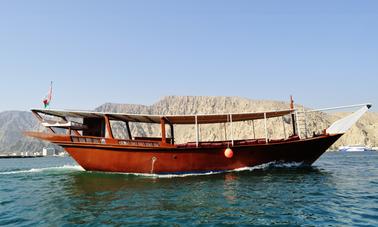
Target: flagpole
50,98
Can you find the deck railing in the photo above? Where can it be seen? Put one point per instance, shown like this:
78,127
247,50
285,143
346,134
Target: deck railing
139,143
98,140
86,139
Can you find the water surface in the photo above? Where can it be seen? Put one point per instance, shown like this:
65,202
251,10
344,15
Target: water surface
340,189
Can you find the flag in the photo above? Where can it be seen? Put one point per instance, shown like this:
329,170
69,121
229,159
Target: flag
47,99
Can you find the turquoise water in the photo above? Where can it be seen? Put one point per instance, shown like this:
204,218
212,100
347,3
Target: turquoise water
341,189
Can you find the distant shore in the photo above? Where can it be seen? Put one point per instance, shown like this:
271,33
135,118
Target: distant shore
21,156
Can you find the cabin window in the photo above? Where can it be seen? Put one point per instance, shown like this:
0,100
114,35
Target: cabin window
119,130
144,129
95,127
148,131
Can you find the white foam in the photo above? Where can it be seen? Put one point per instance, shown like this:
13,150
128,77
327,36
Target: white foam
37,170
152,175
287,164
258,167
167,175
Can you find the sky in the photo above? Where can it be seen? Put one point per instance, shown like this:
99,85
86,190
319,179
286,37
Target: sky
324,53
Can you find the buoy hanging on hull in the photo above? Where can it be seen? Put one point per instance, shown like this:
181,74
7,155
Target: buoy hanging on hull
228,153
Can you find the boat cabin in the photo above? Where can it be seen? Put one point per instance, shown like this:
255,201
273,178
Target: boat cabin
98,127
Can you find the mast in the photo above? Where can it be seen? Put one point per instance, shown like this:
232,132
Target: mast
172,134
172,130
108,127
128,130
163,135
292,115
196,128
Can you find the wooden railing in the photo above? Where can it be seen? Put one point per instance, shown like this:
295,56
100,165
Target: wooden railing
87,139
139,143
100,140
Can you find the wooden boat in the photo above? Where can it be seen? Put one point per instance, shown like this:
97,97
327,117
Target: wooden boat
91,143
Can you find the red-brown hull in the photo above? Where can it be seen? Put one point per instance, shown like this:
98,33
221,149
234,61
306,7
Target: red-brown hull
157,160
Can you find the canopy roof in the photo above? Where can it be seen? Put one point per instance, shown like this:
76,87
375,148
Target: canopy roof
173,119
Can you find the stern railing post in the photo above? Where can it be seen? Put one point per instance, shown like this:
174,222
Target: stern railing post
266,129
128,130
163,135
305,122
196,128
297,122
108,127
172,133
284,128
253,127
232,131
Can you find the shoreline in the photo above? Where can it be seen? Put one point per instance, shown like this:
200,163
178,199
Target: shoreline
21,156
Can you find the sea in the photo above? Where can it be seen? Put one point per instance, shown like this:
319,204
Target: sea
340,189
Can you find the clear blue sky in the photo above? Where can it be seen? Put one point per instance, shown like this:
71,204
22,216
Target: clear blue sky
325,53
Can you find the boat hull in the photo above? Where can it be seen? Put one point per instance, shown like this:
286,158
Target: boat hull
102,157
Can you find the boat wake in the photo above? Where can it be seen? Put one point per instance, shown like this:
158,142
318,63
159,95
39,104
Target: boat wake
266,166
271,165
38,170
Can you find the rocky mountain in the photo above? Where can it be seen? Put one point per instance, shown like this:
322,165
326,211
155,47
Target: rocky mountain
365,131
12,123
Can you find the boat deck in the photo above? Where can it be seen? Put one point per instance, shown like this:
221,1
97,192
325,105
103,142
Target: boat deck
245,142
152,142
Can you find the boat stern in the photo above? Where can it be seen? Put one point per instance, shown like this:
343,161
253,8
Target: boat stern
49,137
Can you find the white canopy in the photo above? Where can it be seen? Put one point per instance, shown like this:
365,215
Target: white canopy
173,119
